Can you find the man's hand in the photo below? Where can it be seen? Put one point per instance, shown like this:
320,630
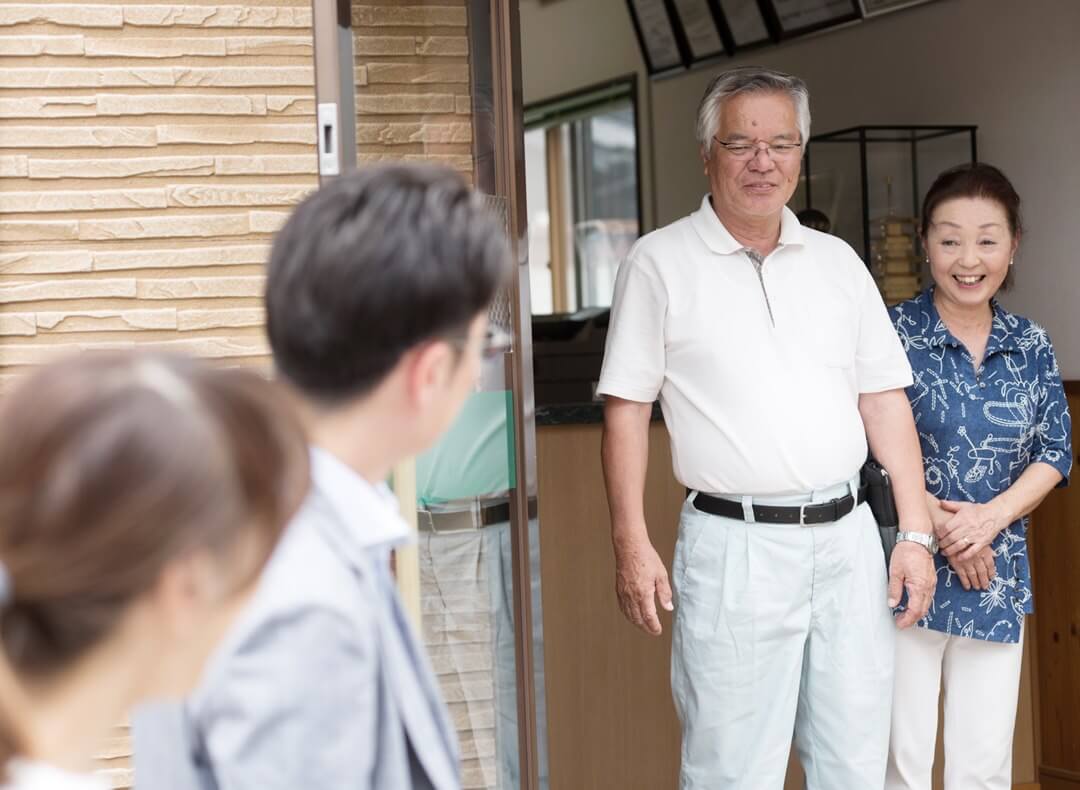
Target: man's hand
971,529
641,579
976,572
911,568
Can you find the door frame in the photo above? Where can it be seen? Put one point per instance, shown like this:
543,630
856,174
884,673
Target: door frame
495,61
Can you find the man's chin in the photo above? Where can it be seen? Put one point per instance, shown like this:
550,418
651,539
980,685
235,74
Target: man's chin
763,209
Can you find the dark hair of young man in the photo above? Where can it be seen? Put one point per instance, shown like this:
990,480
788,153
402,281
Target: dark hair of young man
372,264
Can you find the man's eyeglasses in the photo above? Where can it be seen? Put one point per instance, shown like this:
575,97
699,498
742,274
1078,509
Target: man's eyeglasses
743,152
496,342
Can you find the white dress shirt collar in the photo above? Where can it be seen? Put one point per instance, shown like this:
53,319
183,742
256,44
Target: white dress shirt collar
373,509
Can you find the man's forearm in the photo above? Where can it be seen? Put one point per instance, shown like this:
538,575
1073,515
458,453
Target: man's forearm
625,456
890,430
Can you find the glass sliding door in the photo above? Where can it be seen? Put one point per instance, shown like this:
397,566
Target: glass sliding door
406,80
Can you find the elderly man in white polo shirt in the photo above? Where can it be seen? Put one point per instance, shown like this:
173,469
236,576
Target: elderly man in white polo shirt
774,361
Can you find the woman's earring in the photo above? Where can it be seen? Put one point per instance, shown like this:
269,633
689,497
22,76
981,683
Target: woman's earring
1012,261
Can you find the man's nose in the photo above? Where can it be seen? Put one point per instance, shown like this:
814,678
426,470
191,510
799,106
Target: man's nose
761,162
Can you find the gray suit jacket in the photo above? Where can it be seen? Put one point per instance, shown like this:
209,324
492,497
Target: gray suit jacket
322,683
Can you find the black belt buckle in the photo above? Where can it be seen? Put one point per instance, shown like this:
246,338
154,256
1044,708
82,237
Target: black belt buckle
822,512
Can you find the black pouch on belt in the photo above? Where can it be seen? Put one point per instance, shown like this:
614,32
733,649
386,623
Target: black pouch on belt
879,495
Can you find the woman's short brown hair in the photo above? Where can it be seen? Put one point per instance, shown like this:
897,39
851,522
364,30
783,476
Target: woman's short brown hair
112,465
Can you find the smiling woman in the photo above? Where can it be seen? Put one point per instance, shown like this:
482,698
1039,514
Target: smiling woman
984,197
995,432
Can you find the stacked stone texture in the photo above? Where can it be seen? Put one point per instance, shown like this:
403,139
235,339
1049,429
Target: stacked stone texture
149,151
413,103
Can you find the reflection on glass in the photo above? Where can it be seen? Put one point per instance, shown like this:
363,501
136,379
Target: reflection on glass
536,198
606,206
463,486
427,95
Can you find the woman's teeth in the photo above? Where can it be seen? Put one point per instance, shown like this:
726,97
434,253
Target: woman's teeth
969,280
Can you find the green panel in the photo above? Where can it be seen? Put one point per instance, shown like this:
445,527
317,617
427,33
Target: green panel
476,456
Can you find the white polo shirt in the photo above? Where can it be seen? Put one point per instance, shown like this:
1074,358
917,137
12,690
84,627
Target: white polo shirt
758,376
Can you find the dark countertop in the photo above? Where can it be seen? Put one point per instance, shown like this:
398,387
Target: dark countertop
579,413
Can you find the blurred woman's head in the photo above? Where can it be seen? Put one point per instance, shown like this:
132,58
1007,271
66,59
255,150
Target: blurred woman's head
139,498
971,229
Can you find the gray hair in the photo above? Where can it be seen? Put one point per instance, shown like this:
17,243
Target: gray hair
750,79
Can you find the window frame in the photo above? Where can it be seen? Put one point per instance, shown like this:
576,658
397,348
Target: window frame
580,103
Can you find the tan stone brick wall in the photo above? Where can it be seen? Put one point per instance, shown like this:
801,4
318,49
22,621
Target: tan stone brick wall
148,152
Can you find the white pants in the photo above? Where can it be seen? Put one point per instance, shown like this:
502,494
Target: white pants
981,681
779,629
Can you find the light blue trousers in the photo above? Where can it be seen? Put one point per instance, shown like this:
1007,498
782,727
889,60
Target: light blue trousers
779,630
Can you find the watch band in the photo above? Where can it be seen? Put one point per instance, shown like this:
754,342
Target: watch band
927,541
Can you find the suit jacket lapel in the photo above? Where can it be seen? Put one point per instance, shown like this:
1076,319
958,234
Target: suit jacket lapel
404,662
424,716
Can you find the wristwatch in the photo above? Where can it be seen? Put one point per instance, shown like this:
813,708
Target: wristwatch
927,541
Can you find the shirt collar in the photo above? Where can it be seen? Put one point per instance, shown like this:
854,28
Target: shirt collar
1003,335
718,239
371,511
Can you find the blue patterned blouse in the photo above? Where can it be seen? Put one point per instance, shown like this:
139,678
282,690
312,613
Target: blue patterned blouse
979,431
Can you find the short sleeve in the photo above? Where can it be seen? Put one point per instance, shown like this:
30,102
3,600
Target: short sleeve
1052,443
880,361
634,359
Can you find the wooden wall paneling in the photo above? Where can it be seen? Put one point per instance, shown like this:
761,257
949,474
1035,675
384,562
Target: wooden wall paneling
611,721
1053,780
1055,546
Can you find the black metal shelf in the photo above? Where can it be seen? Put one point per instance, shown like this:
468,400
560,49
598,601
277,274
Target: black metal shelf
871,134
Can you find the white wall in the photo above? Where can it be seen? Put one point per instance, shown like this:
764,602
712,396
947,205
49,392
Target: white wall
1013,69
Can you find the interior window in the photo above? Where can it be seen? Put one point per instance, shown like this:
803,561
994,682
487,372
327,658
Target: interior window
581,175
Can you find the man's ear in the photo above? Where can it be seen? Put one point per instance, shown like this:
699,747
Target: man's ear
427,371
